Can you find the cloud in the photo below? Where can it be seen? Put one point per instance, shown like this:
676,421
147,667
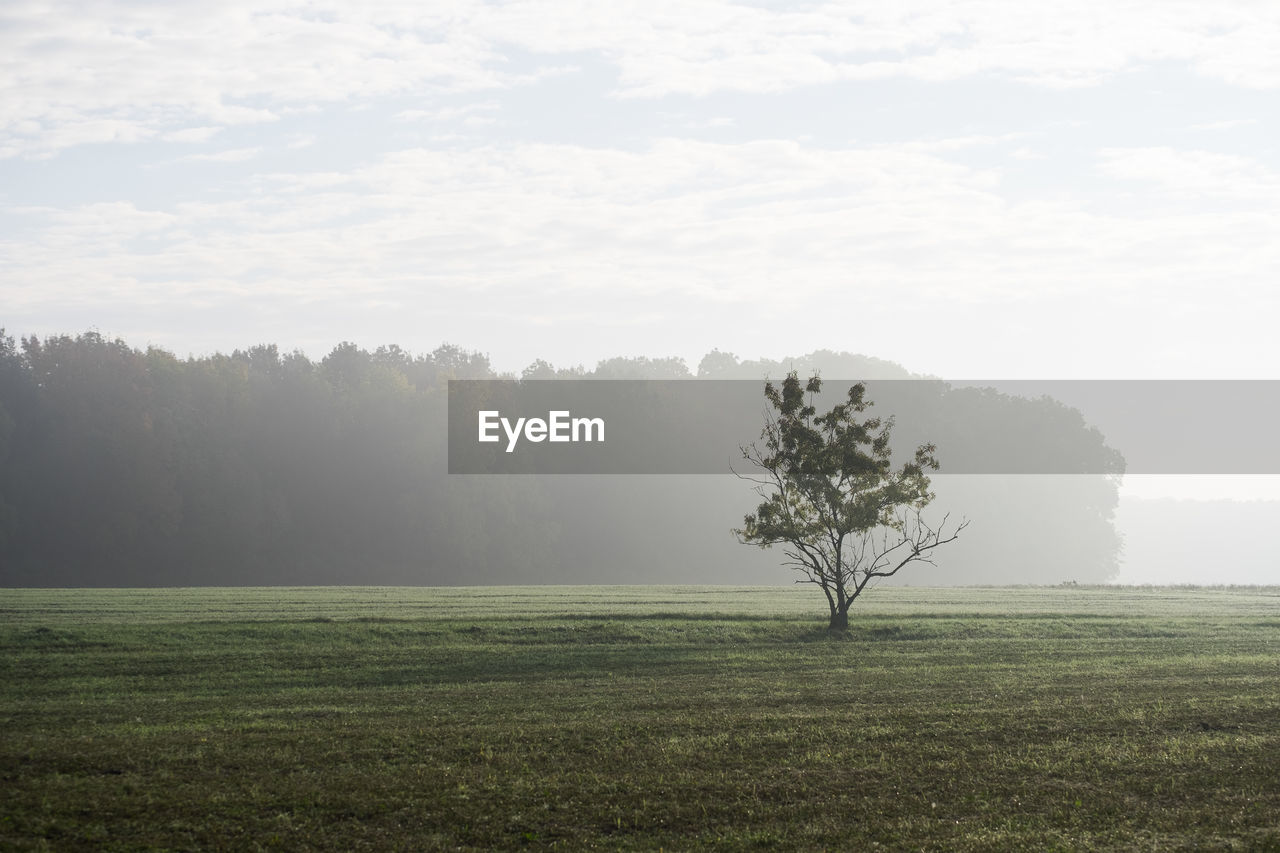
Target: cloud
192,134
1194,174
55,134
955,143
465,112
84,70
1229,124
868,243
703,46
232,155
124,71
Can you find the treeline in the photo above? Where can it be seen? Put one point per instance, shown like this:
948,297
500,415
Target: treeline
128,467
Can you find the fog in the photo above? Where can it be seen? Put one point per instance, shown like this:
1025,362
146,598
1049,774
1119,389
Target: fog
130,467
1203,542
879,192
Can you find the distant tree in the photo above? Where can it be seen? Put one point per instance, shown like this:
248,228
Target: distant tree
540,369
844,515
16,393
726,365
130,467
717,365
641,367
453,362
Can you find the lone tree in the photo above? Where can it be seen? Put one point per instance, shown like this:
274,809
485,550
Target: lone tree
832,497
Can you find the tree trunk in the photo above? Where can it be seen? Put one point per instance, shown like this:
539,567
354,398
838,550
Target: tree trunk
839,609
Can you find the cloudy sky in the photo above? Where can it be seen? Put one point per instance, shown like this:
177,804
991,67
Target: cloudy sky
1075,189
1057,190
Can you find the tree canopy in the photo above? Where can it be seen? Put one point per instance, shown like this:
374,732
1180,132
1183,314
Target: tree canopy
831,496
127,466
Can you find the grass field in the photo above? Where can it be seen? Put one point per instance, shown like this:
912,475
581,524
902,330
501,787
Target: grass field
639,718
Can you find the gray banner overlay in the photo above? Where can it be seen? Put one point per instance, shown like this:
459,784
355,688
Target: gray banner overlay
698,426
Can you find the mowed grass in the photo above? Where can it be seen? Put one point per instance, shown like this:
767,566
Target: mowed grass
639,718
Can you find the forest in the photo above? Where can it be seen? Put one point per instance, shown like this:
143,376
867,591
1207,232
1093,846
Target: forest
122,466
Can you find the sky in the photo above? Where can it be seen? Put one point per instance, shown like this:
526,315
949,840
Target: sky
1064,190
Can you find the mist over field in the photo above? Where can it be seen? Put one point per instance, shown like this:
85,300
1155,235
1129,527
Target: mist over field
971,192
125,467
